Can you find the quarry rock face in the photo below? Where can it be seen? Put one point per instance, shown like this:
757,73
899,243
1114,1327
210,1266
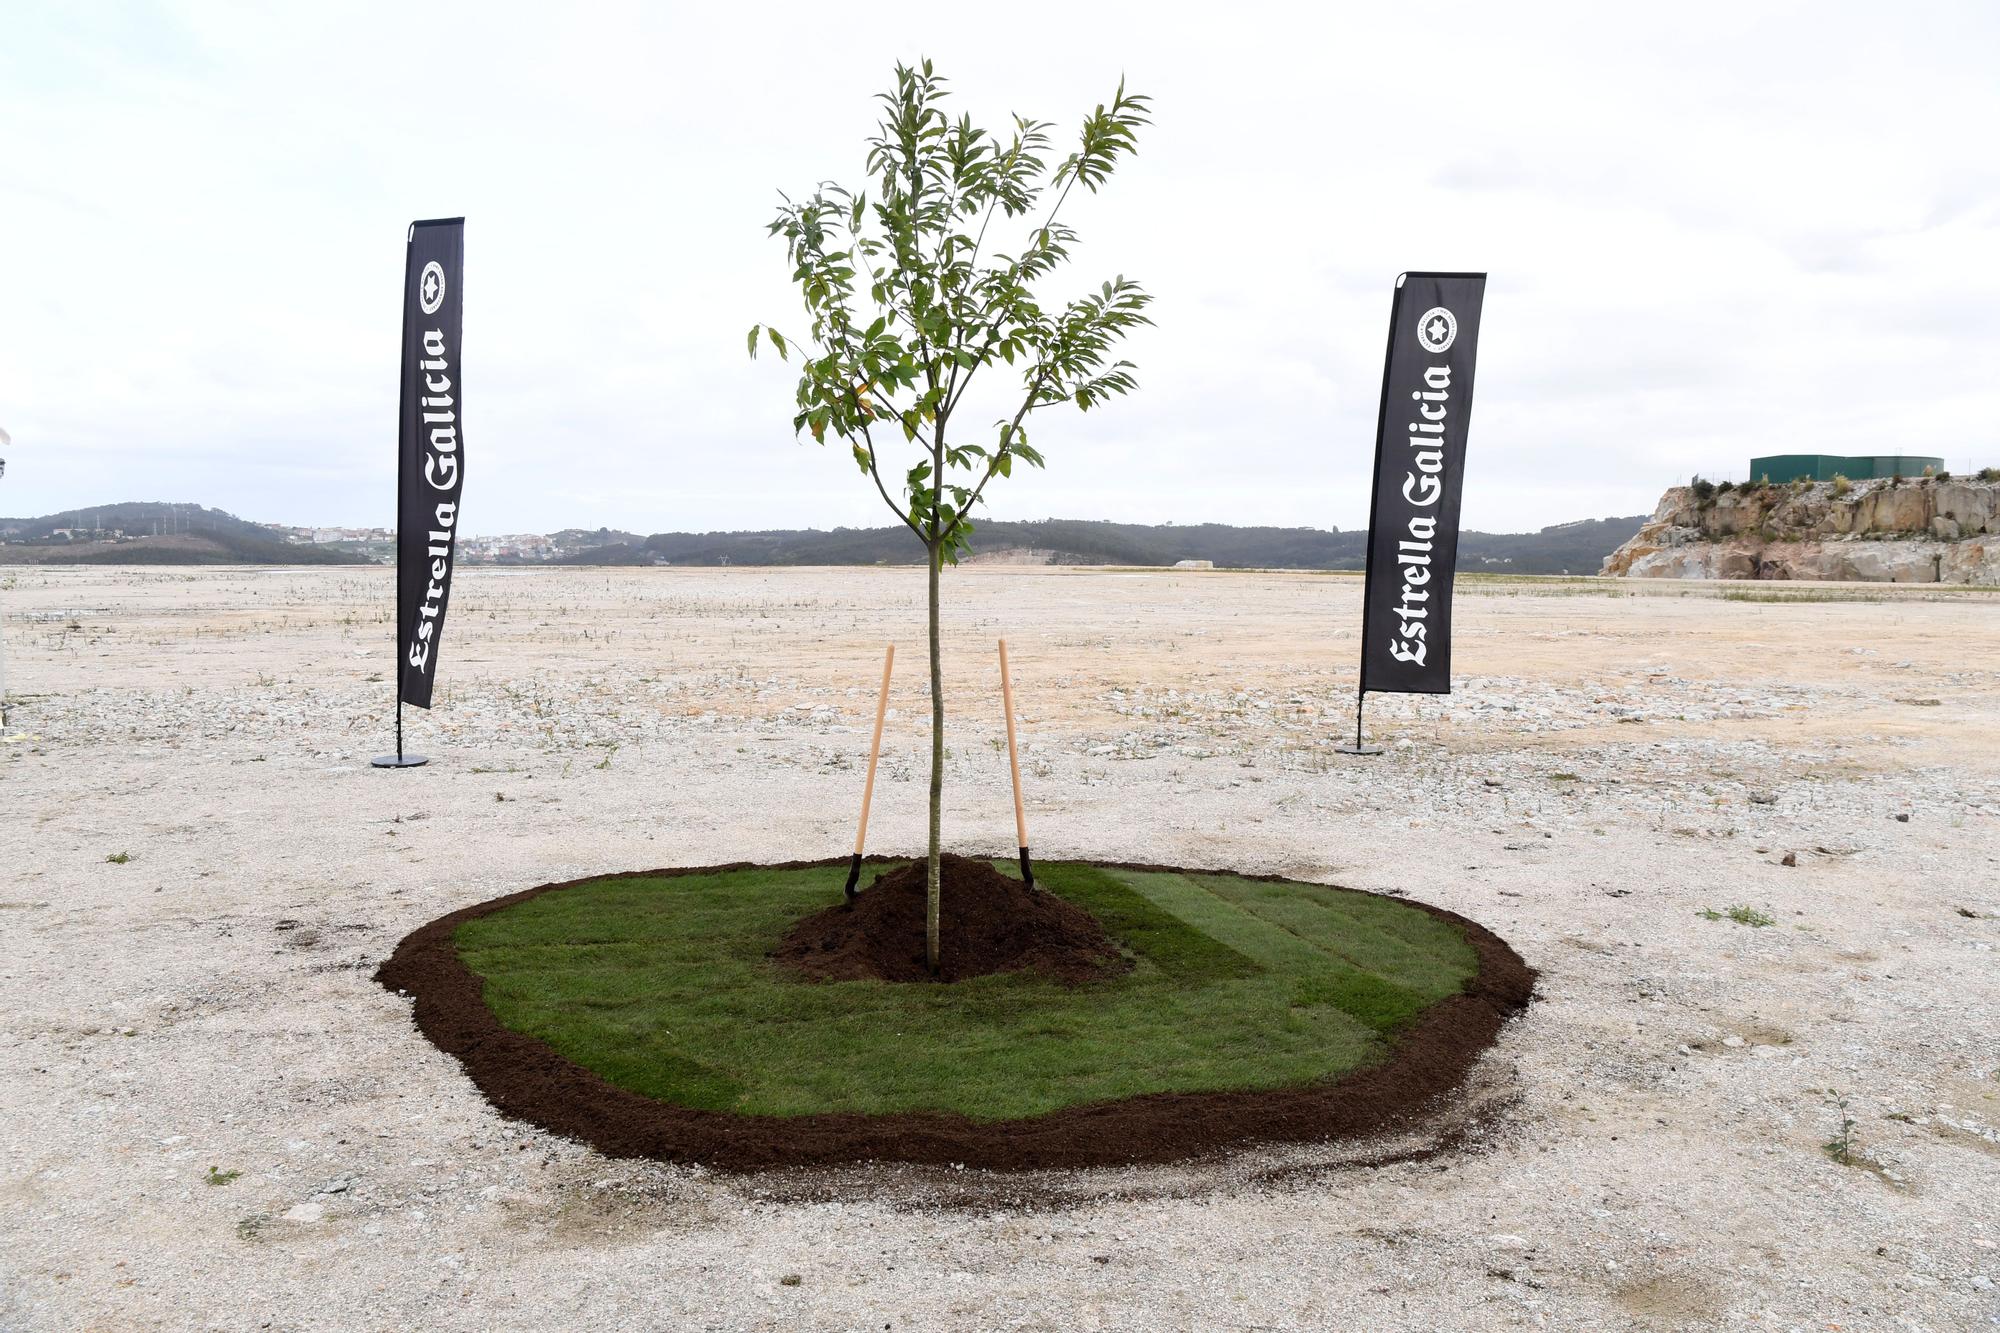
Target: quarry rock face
1913,531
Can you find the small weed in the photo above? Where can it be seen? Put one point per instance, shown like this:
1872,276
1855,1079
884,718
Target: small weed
119,858
1841,1146
1564,777
499,795
789,1280
217,1176
606,762
1741,914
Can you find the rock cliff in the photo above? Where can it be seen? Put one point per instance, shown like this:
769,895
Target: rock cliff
1920,531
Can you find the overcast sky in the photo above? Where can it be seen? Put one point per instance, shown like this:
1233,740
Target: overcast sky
1712,230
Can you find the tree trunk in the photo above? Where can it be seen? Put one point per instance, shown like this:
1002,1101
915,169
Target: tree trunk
933,895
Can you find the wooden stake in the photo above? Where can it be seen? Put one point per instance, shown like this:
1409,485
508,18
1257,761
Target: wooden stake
868,789
1014,763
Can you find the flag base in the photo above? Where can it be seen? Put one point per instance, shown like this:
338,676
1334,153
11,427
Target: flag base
399,761
1354,747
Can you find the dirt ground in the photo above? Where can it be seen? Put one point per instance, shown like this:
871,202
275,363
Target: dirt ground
211,1117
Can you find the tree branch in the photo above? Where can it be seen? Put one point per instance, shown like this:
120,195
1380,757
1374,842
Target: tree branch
993,464
873,471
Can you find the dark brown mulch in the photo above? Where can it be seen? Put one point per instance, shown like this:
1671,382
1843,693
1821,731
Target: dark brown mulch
524,1078
987,922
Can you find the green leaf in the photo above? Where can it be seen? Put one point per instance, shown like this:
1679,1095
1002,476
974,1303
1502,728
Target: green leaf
943,297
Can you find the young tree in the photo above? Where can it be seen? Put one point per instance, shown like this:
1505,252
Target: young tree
908,306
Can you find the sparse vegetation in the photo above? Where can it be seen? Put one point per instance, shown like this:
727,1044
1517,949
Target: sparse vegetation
1741,914
119,858
1841,1146
1841,485
217,1176
1704,490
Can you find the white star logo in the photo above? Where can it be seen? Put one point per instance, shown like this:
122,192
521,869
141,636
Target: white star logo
1437,329
430,287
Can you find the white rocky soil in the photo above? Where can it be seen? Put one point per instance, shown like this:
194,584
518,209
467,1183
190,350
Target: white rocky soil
1912,530
214,1118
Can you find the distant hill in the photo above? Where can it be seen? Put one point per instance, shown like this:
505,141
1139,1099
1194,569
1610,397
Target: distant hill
154,533
595,537
633,552
1566,548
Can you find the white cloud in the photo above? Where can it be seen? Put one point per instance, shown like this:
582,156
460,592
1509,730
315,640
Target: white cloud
1713,230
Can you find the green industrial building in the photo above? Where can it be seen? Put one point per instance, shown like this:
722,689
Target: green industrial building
1825,467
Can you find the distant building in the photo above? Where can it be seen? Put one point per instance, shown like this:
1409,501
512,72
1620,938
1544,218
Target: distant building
1782,468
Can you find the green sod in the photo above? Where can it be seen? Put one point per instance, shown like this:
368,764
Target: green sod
662,987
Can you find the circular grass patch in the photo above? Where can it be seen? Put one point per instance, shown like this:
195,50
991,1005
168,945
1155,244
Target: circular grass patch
644,1014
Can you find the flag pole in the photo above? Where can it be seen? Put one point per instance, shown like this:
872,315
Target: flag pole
1358,746
1368,552
1014,763
399,759
868,788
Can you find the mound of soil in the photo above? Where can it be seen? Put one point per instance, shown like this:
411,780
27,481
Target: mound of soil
526,1078
987,922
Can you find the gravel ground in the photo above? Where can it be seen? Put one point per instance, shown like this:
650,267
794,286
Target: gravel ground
213,1118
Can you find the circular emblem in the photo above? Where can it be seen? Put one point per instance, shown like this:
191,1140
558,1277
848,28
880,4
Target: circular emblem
430,288
1437,329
